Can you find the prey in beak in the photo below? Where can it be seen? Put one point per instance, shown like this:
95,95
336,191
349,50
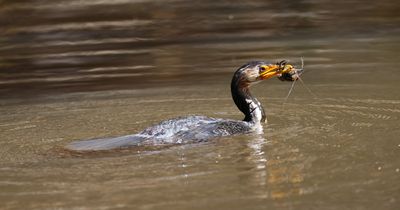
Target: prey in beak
282,70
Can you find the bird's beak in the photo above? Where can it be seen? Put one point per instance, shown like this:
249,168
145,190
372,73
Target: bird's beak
274,70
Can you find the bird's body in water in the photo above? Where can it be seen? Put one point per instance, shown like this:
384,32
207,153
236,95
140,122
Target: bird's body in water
193,129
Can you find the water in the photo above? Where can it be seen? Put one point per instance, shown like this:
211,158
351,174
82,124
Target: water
74,70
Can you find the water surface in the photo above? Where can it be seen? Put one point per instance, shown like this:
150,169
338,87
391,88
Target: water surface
73,70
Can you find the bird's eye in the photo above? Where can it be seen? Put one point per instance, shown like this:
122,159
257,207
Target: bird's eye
262,68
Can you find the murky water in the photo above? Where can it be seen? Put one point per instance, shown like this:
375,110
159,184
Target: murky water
74,70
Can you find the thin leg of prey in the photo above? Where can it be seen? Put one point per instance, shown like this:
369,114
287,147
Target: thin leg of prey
290,91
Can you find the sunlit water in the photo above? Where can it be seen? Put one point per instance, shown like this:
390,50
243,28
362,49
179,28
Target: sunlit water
73,70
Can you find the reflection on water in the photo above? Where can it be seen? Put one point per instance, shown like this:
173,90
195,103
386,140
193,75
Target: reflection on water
84,69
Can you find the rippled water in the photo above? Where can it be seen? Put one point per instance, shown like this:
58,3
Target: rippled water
74,70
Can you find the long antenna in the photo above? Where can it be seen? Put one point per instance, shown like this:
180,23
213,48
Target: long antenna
302,62
308,89
302,82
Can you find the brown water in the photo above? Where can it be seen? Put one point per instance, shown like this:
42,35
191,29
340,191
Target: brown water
74,70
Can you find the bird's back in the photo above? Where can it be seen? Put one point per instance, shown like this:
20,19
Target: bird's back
180,130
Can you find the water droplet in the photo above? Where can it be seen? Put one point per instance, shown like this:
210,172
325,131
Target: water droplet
397,170
379,168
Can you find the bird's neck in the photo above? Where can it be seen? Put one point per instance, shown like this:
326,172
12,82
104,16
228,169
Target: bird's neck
249,105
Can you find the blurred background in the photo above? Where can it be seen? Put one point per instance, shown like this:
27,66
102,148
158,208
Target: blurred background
74,69
52,47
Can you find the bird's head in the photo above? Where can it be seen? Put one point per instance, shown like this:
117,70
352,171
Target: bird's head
258,70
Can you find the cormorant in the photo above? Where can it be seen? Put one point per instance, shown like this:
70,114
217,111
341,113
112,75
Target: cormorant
192,129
